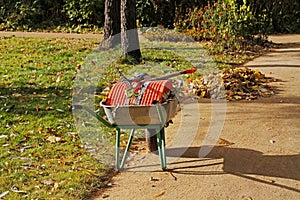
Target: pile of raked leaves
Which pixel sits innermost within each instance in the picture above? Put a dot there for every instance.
(233, 84)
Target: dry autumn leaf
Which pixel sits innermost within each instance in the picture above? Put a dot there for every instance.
(232, 84)
(159, 194)
(54, 139)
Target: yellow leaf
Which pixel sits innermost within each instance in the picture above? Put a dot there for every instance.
(258, 75)
(40, 129)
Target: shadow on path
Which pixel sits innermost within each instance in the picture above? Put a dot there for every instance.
(241, 162)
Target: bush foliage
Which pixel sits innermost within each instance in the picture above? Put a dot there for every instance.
(49, 14)
(272, 16)
(277, 16)
(227, 24)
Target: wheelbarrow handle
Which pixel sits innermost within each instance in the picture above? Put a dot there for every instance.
(82, 107)
(77, 107)
(188, 71)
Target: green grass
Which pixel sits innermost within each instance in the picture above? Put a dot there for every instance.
(35, 98)
(35, 106)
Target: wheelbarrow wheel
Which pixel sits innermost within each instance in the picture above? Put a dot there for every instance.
(151, 139)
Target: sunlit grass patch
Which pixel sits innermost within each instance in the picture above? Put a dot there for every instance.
(41, 154)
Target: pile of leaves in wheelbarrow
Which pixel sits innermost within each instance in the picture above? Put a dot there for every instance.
(233, 84)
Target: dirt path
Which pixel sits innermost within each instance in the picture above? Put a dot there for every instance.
(262, 163)
(49, 35)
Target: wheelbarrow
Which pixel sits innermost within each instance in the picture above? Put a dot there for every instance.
(140, 103)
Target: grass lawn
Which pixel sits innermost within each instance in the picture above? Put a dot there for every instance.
(41, 154)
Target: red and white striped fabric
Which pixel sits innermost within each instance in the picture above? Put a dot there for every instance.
(154, 92)
(117, 94)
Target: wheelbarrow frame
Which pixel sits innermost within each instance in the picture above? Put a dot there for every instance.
(160, 134)
(159, 124)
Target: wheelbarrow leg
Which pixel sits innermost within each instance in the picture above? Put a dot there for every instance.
(127, 148)
(118, 165)
(161, 138)
(118, 132)
(161, 148)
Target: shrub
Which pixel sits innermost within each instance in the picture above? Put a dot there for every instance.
(84, 12)
(225, 23)
(156, 12)
(28, 14)
(145, 13)
(277, 16)
(47, 14)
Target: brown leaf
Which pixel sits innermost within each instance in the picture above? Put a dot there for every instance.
(16, 94)
(237, 97)
(48, 182)
(53, 139)
(55, 186)
(31, 82)
(159, 194)
(105, 195)
(222, 142)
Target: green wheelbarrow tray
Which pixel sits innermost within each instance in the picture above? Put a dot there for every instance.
(137, 117)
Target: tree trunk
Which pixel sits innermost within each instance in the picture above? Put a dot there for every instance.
(129, 36)
(112, 24)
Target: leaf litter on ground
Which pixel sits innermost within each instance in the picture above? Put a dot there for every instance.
(233, 84)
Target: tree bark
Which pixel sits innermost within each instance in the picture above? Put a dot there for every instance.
(129, 36)
(112, 24)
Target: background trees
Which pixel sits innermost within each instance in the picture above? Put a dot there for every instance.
(120, 28)
(112, 23)
(50, 14)
(129, 36)
(272, 16)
